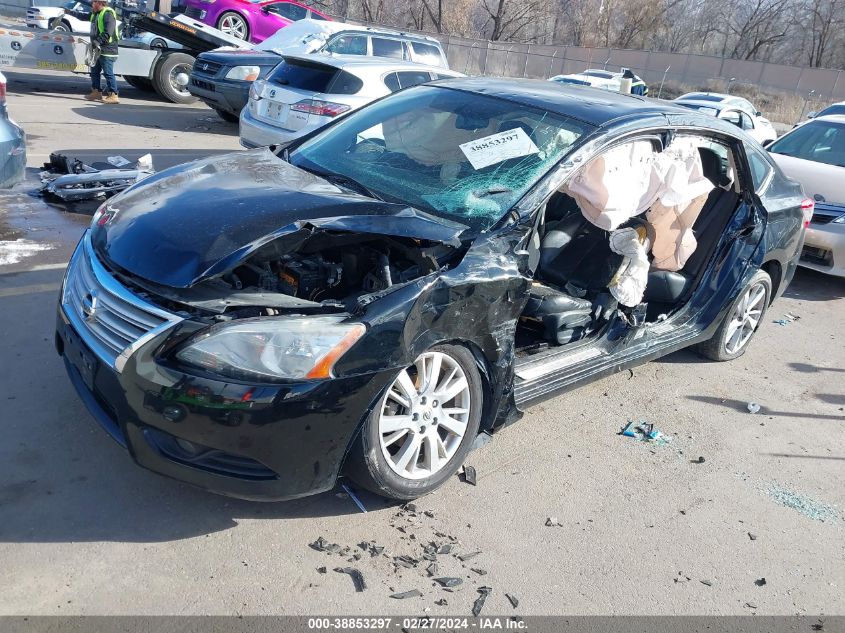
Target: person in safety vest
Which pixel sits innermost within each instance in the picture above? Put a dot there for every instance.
(638, 86)
(104, 37)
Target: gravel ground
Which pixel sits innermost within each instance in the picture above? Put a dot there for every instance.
(644, 528)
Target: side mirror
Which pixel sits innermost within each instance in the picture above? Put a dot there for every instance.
(812, 115)
(758, 113)
(265, 9)
(767, 142)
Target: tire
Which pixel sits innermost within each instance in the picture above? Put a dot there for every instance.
(169, 73)
(226, 116)
(140, 83)
(393, 430)
(62, 26)
(234, 24)
(158, 42)
(741, 321)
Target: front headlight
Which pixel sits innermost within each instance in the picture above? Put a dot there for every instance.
(243, 73)
(273, 348)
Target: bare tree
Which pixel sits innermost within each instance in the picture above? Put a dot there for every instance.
(511, 19)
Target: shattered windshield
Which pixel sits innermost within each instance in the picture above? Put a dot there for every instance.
(459, 155)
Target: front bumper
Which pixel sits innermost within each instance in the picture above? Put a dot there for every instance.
(824, 248)
(38, 23)
(261, 442)
(229, 96)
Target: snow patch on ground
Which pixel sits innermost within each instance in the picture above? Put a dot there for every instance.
(13, 251)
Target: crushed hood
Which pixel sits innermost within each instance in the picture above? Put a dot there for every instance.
(198, 220)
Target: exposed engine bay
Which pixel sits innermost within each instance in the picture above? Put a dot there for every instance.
(340, 266)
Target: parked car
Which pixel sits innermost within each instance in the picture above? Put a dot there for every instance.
(595, 77)
(72, 17)
(834, 108)
(757, 127)
(393, 288)
(12, 144)
(304, 93)
(222, 78)
(250, 20)
(724, 99)
(814, 155)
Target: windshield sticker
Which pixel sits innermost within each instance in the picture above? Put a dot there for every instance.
(496, 148)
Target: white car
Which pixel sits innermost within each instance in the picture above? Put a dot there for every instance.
(833, 108)
(755, 125)
(65, 18)
(304, 92)
(814, 155)
(595, 77)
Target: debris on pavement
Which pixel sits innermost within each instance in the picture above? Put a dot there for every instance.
(356, 575)
(413, 593)
(479, 571)
(406, 561)
(322, 545)
(468, 555)
(117, 161)
(753, 408)
(470, 475)
(751, 536)
(321, 570)
(512, 599)
(431, 569)
(449, 581)
(553, 522)
(700, 460)
(805, 505)
(750, 606)
(706, 582)
(441, 602)
(760, 582)
(354, 498)
(71, 180)
(787, 319)
(479, 602)
(644, 432)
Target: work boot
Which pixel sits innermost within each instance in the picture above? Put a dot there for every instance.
(110, 98)
(94, 95)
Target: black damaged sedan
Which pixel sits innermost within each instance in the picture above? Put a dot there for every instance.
(377, 298)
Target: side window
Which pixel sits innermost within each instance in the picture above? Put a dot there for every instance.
(760, 168)
(392, 82)
(439, 76)
(408, 78)
(348, 45)
(732, 116)
(383, 47)
(315, 16)
(345, 83)
(426, 54)
(287, 10)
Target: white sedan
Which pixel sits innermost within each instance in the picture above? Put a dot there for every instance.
(595, 77)
(755, 125)
(814, 155)
(64, 18)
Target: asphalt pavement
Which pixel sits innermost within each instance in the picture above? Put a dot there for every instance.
(638, 528)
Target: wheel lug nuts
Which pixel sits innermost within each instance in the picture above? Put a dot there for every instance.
(415, 417)
(422, 400)
(434, 404)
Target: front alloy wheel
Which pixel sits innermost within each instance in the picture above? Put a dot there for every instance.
(424, 419)
(233, 24)
(423, 426)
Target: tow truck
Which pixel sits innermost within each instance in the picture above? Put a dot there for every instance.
(147, 68)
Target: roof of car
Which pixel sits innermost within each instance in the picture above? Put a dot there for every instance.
(588, 104)
(713, 105)
(833, 118)
(362, 61)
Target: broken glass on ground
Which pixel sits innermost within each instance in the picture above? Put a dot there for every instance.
(413, 593)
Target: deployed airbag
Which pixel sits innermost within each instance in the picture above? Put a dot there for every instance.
(628, 285)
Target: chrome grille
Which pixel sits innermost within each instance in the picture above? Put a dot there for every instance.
(204, 67)
(111, 320)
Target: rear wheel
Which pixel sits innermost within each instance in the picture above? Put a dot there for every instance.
(226, 116)
(234, 24)
(741, 322)
(141, 83)
(423, 426)
(171, 77)
(61, 25)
